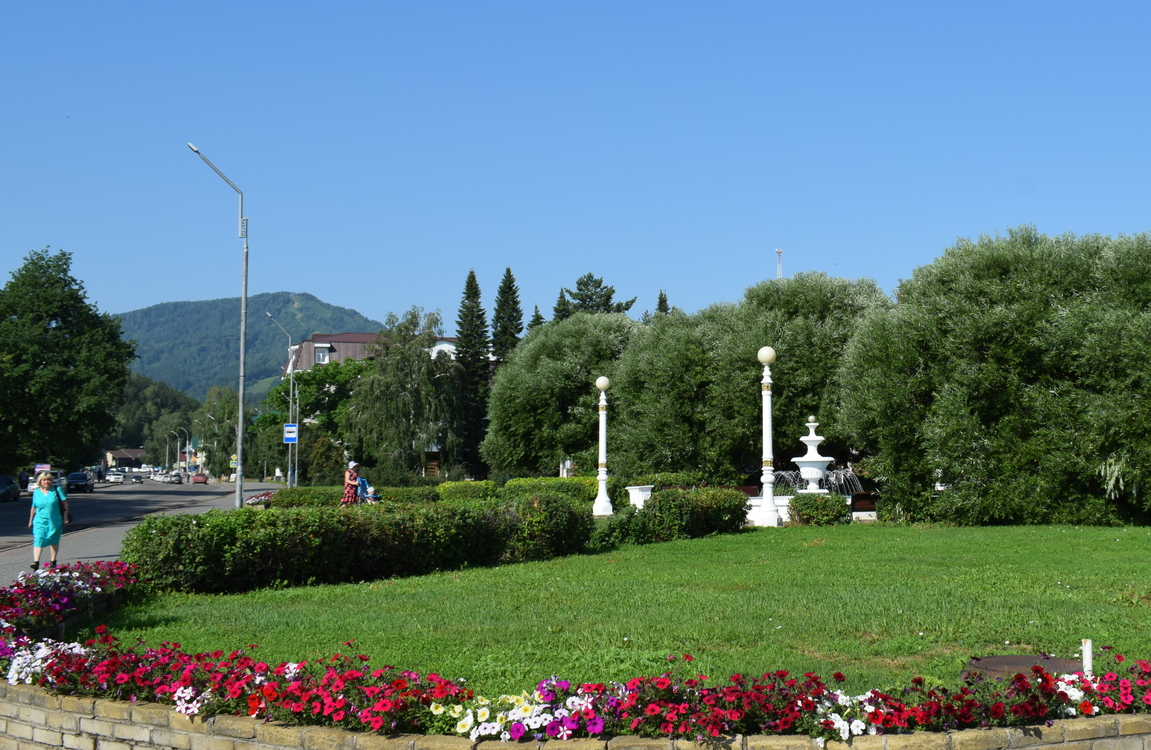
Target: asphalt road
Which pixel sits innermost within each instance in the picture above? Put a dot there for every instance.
(101, 518)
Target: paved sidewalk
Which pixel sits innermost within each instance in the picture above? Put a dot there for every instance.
(102, 542)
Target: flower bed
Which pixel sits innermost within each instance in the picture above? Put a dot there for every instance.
(41, 599)
(344, 691)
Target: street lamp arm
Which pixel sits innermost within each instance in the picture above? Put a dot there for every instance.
(223, 176)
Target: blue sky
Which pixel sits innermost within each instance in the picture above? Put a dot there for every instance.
(386, 148)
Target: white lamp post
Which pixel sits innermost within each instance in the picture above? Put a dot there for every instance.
(765, 513)
(243, 330)
(602, 505)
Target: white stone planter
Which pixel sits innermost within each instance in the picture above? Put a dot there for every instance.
(638, 494)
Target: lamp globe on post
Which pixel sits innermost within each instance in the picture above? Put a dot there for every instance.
(766, 514)
(602, 505)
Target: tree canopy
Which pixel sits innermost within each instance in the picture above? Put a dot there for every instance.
(64, 366)
(1010, 384)
(403, 406)
(590, 296)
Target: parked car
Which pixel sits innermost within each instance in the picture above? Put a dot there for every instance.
(57, 479)
(199, 479)
(176, 478)
(9, 489)
(80, 481)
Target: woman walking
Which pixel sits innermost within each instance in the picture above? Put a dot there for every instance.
(49, 508)
(351, 485)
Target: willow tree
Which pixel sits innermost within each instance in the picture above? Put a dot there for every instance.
(1012, 383)
(404, 405)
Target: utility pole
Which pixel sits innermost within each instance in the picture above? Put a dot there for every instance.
(778, 263)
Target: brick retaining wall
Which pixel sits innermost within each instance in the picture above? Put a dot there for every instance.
(34, 719)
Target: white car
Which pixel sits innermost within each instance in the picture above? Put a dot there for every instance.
(115, 477)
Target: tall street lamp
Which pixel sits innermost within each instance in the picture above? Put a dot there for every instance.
(173, 432)
(243, 330)
(187, 448)
(291, 399)
(602, 504)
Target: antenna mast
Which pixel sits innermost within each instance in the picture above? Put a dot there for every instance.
(778, 263)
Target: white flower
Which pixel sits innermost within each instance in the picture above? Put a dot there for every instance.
(483, 713)
(464, 724)
(457, 711)
(857, 727)
(436, 709)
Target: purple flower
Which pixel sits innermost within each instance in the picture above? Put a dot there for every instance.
(570, 722)
(516, 731)
(563, 685)
(595, 725)
(551, 730)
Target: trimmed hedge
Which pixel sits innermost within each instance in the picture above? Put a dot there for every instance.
(468, 491)
(671, 479)
(239, 550)
(329, 497)
(819, 510)
(676, 514)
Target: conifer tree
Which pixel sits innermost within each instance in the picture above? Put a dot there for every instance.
(563, 307)
(536, 321)
(473, 349)
(661, 305)
(507, 319)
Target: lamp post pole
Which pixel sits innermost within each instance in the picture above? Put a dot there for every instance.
(187, 448)
(173, 432)
(771, 513)
(167, 444)
(243, 330)
(602, 504)
(291, 400)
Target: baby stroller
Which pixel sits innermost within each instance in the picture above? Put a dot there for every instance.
(365, 493)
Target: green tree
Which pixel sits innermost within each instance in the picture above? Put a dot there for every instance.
(563, 308)
(590, 295)
(507, 319)
(403, 406)
(1011, 383)
(687, 386)
(145, 401)
(474, 366)
(543, 406)
(536, 321)
(66, 366)
(661, 305)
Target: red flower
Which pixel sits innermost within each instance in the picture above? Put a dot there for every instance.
(838, 677)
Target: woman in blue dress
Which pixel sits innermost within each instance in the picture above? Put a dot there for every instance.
(46, 520)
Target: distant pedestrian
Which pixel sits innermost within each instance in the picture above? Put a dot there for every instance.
(47, 518)
(351, 485)
(23, 479)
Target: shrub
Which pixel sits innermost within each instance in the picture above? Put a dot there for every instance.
(547, 525)
(467, 491)
(579, 488)
(239, 550)
(676, 514)
(295, 497)
(819, 510)
(670, 479)
(329, 497)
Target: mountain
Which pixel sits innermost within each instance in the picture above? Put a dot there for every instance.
(193, 346)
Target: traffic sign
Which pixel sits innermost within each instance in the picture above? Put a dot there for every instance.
(232, 464)
(234, 457)
(291, 432)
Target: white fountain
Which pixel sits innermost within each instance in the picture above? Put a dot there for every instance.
(812, 466)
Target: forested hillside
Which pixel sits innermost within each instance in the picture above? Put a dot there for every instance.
(193, 346)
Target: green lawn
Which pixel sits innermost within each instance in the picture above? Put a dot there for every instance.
(878, 603)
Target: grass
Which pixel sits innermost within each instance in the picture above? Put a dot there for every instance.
(879, 603)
